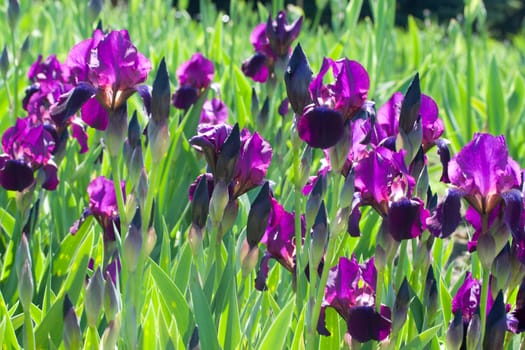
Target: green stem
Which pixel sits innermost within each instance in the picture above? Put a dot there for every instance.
(29, 338)
(15, 92)
(379, 288)
(484, 298)
(152, 190)
(301, 255)
(113, 160)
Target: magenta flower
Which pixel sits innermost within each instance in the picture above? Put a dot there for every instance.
(49, 82)
(322, 123)
(279, 238)
(106, 70)
(350, 290)
(103, 206)
(271, 41)
(214, 111)
(383, 182)
(194, 78)
(27, 148)
(487, 177)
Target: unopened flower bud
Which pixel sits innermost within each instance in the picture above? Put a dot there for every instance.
(218, 202)
(195, 239)
(112, 304)
(410, 106)
(228, 156)
(159, 140)
(133, 242)
(24, 49)
(161, 94)
(496, 325)
(339, 152)
(455, 332)
(71, 333)
(340, 223)
(474, 332)
(401, 307)
(13, 13)
(249, 257)
(500, 270)
(431, 294)
(486, 250)
(258, 216)
(94, 8)
(410, 142)
(297, 78)
(94, 298)
(229, 217)
(111, 334)
(25, 285)
(387, 243)
(23, 254)
(281, 34)
(151, 239)
(319, 236)
(4, 62)
(255, 103)
(116, 130)
(313, 202)
(264, 113)
(347, 193)
(306, 163)
(200, 203)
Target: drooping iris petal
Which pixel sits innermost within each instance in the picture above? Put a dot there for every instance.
(214, 111)
(94, 115)
(353, 222)
(69, 103)
(255, 67)
(432, 126)
(447, 216)
(406, 218)
(50, 177)
(254, 160)
(365, 324)
(184, 97)
(102, 198)
(483, 167)
(320, 127)
(80, 135)
(15, 175)
(197, 72)
(516, 321)
(444, 157)
(512, 212)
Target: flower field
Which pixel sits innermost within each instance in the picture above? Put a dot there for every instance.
(258, 179)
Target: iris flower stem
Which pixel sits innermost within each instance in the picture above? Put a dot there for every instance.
(379, 288)
(29, 339)
(330, 253)
(153, 175)
(15, 92)
(300, 254)
(113, 161)
(484, 299)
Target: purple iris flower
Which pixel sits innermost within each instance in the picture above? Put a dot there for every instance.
(103, 206)
(194, 78)
(383, 182)
(487, 177)
(279, 238)
(271, 41)
(214, 111)
(106, 70)
(388, 119)
(27, 147)
(254, 158)
(49, 82)
(322, 123)
(350, 290)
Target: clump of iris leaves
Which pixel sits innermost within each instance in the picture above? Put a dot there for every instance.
(158, 173)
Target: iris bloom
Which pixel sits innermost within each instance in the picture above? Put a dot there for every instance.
(194, 78)
(383, 182)
(388, 119)
(279, 238)
(322, 123)
(214, 111)
(350, 290)
(271, 41)
(486, 176)
(106, 70)
(27, 147)
(103, 206)
(49, 82)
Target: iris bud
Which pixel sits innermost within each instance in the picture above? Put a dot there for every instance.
(160, 95)
(111, 299)
(23, 254)
(133, 242)
(116, 130)
(255, 103)
(249, 257)
(474, 332)
(319, 236)
(401, 307)
(297, 78)
(228, 156)
(94, 298)
(455, 332)
(347, 193)
(264, 113)
(110, 337)
(94, 8)
(195, 239)
(431, 294)
(500, 270)
(228, 219)
(258, 216)
(71, 333)
(200, 203)
(496, 325)
(314, 200)
(4, 62)
(218, 202)
(25, 285)
(13, 13)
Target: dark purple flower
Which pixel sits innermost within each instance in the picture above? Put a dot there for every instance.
(487, 177)
(279, 238)
(103, 206)
(27, 147)
(350, 290)
(260, 42)
(284, 107)
(106, 67)
(322, 123)
(280, 34)
(516, 319)
(467, 298)
(194, 76)
(256, 67)
(214, 111)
